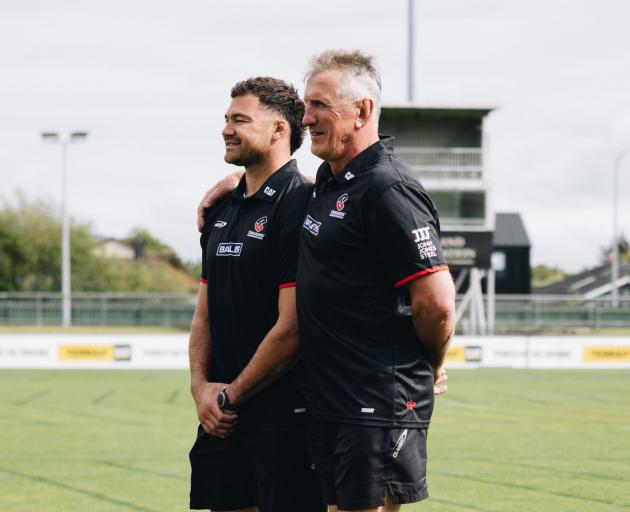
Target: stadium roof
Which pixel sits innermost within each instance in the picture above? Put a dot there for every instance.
(590, 283)
(470, 112)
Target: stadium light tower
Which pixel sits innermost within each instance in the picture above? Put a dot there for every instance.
(411, 71)
(615, 261)
(64, 140)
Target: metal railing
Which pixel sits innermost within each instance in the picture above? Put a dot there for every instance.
(444, 163)
(109, 309)
(513, 313)
(538, 313)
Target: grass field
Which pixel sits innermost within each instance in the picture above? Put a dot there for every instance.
(501, 440)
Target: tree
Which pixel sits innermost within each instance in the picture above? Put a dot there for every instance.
(30, 256)
(542, 275)
(624, 250)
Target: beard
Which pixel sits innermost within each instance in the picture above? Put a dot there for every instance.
(245, 157)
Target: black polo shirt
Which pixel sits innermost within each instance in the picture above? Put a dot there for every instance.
(368, 231)
(249, 250)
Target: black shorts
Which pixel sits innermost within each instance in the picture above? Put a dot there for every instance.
(264, 466)
(356, 464)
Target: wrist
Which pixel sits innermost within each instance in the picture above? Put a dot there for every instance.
(224, 399)
(197, 384)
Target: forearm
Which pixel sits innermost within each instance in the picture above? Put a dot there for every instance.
(276, 354)
(199, 351)
(434, 332)
(433, 314)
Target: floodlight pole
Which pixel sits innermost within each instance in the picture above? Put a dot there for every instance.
(615, 260)
(410, 51)
(63, 141)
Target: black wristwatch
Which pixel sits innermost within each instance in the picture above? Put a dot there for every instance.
(223, 400)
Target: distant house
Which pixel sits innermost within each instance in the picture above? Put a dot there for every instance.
(112, 248)
(592, 283)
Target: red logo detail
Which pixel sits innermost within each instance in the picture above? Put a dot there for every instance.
(260, 224)
(341, 202)
(411, 405)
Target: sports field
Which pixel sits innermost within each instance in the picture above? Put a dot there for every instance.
(501, 440)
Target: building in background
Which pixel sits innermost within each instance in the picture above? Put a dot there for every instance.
(510, 255)
(592, 283)
(445, 149)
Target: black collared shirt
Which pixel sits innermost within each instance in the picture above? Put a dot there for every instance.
(249, 250)
(368, 231)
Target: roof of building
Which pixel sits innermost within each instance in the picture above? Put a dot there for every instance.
(470, 112)
(510, 231)
(590, 283)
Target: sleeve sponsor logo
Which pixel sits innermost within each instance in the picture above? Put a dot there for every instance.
(229, 249)
(421, 234)
(340, 205)
(617, 354)
(312, 225)
(220, 224)
(259, 225)
(422, 238)
(269, 191)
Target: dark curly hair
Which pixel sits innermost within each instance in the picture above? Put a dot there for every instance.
(280, 97)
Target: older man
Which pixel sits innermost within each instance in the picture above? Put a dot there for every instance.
(370, 237)
(369, 243)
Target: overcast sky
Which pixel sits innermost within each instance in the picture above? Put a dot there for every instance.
(150, 81)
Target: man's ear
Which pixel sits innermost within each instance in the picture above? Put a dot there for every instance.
(364, 115)
(280, 129)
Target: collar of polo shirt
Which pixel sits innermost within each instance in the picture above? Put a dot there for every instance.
(268, 190)
(359, 163)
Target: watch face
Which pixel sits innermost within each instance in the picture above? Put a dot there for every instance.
(221, 399)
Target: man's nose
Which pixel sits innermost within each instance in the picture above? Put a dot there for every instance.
(309, 118)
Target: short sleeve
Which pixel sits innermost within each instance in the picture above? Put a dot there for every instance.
(203, 241)
(289, 223)
(407, 233)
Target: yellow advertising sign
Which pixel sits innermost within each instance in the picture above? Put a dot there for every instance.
(617, 354)
(456, 354)
(86, 352)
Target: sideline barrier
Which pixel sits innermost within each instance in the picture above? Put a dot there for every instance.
(96, 351)
(170, 351)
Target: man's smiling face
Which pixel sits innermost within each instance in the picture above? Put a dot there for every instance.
(329, 117)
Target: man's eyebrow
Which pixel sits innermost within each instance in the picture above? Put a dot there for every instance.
(235, 115)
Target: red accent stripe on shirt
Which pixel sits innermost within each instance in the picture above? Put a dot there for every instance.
(419, 274)
(287, 285)
(203, 280)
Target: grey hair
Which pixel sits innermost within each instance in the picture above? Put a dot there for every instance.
(360, 77)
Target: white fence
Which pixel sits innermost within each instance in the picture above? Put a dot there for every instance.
(170, 351)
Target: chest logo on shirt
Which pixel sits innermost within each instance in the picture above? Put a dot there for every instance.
(312, 225)
(259, 225)
(269, 191)
(230, 249)
(422, 238)
(348, 176)
(220, 224)
(340, 205)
